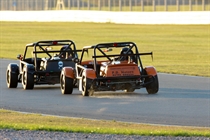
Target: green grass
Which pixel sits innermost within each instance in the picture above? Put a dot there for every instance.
(19, 121)
(181, 49)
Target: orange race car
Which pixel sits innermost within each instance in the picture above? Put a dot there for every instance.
(113, 66)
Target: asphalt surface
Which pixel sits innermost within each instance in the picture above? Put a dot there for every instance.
(181, 100)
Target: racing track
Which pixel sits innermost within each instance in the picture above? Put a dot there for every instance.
(181, 100)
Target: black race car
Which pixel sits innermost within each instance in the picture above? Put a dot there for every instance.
(41, 63)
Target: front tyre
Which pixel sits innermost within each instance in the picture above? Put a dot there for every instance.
(27, 80)
(67, 84)
(12, 79)
(153, 87)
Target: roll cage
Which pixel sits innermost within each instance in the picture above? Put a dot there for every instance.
(99, 47)
(38, 47)
(41, 44)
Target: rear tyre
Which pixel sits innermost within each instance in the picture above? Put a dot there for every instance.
(153, 87)
(67, 84)
(27, 80)
(86, 86)
(12, 79)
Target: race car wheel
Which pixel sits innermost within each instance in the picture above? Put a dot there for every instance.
(86, 86)
(153, 87)
(66, 84)
(12, 79)
(27, 80)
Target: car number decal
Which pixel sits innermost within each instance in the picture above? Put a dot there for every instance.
(60, 65)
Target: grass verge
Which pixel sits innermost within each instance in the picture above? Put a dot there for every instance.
(20, 121)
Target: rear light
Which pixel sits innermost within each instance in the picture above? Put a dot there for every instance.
(47, 74)
(108, 81)
(138, 81)
(115, 44)
(54, 42)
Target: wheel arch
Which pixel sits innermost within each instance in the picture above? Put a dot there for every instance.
(68, 72)
(13, 67)
(29, 68)
(89, 73)
(150, 70)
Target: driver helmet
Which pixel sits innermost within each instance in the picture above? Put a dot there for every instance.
(67, 54)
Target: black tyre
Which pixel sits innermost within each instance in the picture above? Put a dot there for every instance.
(27, 80)
(12, 79)
(86, 86)
(153, 87)
(67, 84)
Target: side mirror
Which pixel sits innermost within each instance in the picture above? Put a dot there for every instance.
(108, 50)
(19, 56)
